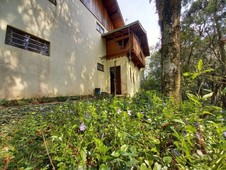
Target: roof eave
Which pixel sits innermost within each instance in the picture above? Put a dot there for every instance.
(113, 4)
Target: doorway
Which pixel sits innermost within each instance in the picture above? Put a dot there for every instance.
(115, 80)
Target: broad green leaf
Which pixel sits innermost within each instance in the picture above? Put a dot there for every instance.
(154, 150)
(193, 98)
(167, 159)
(106, 157)
(207, 113)
(194, 75)
(206, 96)
(178, 121)
(157, 166)
(186, 74)
(155, 140)
(102, 148)
(148, 163)
(207, 71)
(224, 91)
(124, 148)
(115, 153)
(132, 162)
(140, 115)
(200, 64)
(143, 167)
(103, 167)
(83, 154)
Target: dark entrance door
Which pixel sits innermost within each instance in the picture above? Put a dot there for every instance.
(115, 78)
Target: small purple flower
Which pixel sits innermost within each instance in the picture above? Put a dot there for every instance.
(184, 133)
(87, 116)
(224, 134)
(198, 136)
(82, 127)
(102, 136)
(129, 112)
(175, 152)
(196, 124)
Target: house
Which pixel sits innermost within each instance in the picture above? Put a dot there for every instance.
(68, 47)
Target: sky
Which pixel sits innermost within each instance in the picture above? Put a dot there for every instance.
(145, 12)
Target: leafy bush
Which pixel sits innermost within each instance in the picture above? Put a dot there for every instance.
(144, 132)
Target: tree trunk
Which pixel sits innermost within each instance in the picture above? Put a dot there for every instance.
(222, 51)
(169, 21)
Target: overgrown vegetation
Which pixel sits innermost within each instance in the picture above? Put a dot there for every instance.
(202, 37)
(152, 81)
(32, 101)
(145, 132)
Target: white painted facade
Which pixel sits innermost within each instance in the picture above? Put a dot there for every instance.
(75, 49)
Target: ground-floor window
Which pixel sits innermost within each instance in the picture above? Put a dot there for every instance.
(100, 67)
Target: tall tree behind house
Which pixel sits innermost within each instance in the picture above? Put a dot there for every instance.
(169, 20)
(202, 33)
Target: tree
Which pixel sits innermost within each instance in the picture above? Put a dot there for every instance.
(203, 27)
(169, 20)
(151, 79)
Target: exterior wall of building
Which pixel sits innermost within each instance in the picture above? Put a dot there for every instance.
(130, 75)
(100, 12)
(75, 49)
(122, 62)
(133, 78)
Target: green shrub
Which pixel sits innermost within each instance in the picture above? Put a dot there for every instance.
(144, 132)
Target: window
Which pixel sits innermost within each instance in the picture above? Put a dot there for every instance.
(99, 28)
(26, 41)
(53, 1)
(133, 78)
(130, 74)
(86, 2)
(100, 67)
(122, 43)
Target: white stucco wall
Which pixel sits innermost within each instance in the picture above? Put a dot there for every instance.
(75, 49)
(128, 86)
(133, 78)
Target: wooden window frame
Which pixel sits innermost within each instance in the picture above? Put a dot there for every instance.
(99, 28)
(21, 39)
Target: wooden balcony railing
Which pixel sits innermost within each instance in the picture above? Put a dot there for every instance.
(137, 53)
(126, 46)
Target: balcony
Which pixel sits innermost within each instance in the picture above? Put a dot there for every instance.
(126, 45)
(130, 41)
